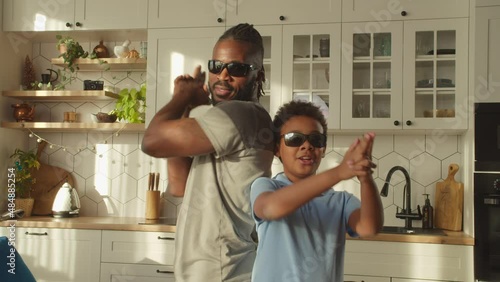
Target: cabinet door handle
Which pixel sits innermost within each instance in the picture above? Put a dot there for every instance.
(164, 271)
(219, 20)
(404, 13)
(36, 233)
(408, 122)
(165, 238)
(396, 122)
(78, 24)
(282, 18)
(69, 25)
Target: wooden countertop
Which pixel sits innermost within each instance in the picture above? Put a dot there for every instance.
(451, 238)
(168, 225)
(96, 223)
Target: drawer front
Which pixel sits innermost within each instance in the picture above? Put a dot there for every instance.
(138, 247)
(115, 272)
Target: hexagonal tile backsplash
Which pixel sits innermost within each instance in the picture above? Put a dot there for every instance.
(112, 180)
(111, 171)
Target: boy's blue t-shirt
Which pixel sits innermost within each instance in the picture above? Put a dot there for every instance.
(307, 245)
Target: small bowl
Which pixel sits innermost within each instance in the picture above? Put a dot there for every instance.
(104, 117)
(121, 51)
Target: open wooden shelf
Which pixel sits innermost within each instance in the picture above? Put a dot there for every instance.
(47, 95)
(130, 64)
(75, 126)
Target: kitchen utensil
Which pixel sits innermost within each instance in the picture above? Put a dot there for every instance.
(122, 51)
(153, 197)
(152, 204)
(448, 209)
(47, 77)
(157, 182)
(66, 203)
(48, 180)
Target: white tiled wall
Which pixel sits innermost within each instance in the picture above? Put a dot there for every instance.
(111, 171)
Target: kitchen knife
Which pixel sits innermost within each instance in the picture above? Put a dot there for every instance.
(157, 181)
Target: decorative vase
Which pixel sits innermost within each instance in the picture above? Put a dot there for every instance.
(25, 204)
(101, 51)
(23, 112)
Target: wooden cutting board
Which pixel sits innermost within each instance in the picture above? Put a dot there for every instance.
(448, 208)
(48, 181)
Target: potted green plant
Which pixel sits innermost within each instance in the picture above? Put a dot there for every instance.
(131, 105)
(70, 50)
(24, 164)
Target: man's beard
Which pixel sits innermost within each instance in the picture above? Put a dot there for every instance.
(244, 94)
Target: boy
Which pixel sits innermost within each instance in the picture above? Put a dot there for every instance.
(301, 221)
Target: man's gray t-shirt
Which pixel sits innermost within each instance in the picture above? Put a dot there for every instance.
(214, 227)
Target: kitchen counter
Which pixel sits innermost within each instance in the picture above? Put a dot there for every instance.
(451, 238)
(168, 225)
(96, 223)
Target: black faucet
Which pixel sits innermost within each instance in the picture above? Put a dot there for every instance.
(405, 213)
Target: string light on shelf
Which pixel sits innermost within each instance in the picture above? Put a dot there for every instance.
(92, 147)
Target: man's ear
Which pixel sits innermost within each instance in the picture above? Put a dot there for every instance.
(261, 75)
(277, 151)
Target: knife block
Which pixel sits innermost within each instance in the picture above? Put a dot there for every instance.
(152, 204)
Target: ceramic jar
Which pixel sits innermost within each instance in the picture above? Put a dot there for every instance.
(23, 112)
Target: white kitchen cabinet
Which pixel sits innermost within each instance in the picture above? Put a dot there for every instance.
(417, 280)
(186, 13)
(117, 272)
(40, 15)
(309, 73)
(173, 52)
(382, 10)
(359, 278)
(486, 58)
(428, 262)
(262, 12)
(137, 256)
(111, 14)
(62, 255)
(393, 78)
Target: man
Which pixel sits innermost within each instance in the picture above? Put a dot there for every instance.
(232, 145)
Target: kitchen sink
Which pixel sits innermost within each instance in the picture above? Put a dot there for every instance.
(413, 231)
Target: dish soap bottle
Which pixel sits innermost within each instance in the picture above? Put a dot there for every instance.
(428, 214)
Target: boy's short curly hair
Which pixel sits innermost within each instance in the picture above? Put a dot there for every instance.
(297, 108)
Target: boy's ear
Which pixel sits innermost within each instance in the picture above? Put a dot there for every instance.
(277, 151)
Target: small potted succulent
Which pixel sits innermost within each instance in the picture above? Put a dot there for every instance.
(24, 164)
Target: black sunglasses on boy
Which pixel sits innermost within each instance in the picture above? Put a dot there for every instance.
(296, 139)
(234, 68)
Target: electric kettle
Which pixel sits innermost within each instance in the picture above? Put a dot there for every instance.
(66, 202)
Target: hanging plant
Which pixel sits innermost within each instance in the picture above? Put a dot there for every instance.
(70, 51)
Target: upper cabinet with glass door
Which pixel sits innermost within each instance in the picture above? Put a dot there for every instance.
(436, 74)
(372, 75)
(311, 67)
(271, 37)
(421, 84)
(382, 10)
(283, 11)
